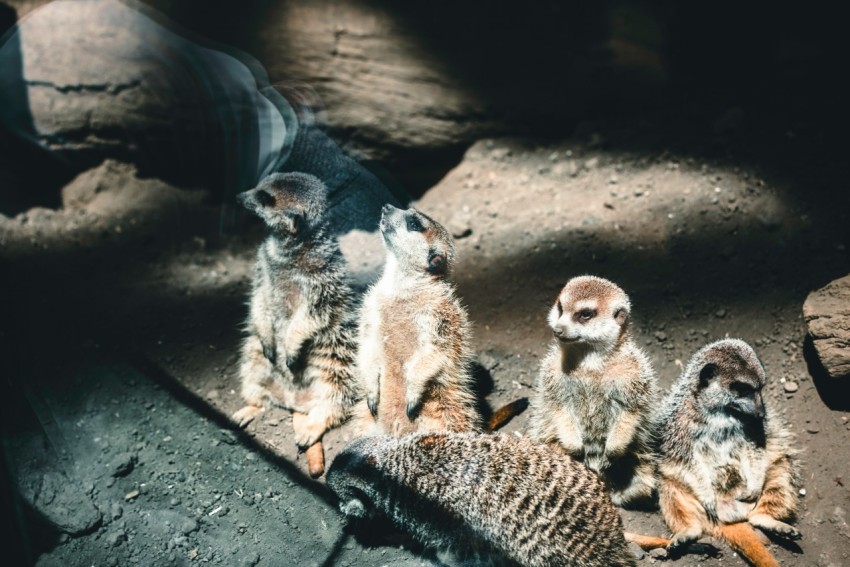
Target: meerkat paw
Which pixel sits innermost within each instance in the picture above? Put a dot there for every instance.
(269, 351)
(682, 539)
(308, 429)
(412, 408)
(597, 462)
(773, 526)
(247, 414)
(372, 403)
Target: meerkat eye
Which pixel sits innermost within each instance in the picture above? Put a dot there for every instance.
(586, 315)
(742, 389)
(414, 224)
(264, 198)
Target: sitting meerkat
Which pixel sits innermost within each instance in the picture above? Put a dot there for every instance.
(596, 388)
(497, 497)
(726, 464)
(414, 358)
(300, 348)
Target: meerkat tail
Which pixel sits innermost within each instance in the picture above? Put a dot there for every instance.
(646, 542)
(315, 454)
(744, 539)
(507, 412)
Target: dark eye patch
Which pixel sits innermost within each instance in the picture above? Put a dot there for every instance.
(414, 224)
(560, 307)
(585, 315)
(265, 198)
(742, 389)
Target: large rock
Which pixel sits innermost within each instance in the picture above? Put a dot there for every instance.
(827, 315)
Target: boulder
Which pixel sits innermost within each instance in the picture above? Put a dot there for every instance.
(827, 315)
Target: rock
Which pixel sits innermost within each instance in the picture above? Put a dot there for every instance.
(790, 387)
(658, 553)
(122, 464)
(637, 551)
(115, 538)
(827, 315)
(65, 505)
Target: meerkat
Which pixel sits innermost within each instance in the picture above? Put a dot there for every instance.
(300, 349)
(726, 464)
(493, 496)
(595, 389)
(414, 358)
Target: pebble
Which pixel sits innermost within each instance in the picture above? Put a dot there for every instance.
(720, 313)
(661, 336)
(131, 495)
(115, 539)
(123, 464)
(658, 553)
(637, 551)
(812, 428)
(790, 387)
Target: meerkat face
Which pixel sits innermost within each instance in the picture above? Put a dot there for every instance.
(289, 203)
(591, 311)
(729, 379)
(418, 243)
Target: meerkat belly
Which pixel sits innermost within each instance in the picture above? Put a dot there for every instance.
(729, 471)
(594, 408)
(399, 341)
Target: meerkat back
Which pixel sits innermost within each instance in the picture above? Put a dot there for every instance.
(414, 356)
(477, 493)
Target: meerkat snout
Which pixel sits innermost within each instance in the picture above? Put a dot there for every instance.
(738, 393)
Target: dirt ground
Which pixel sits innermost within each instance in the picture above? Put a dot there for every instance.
(123, 332)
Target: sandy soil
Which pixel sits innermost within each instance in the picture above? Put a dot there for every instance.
(124, 331)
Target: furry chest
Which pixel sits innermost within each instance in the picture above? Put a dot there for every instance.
(731, 468)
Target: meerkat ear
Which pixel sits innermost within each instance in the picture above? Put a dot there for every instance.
(621, 315)
(708, 372)
(437, 264)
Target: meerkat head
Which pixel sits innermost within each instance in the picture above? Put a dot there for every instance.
(418, 243)
(727, 377)
(290, 204)
(354, 476)
(591, 311)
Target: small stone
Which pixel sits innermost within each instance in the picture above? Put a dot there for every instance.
(661, 336)
(790, 387)
(122, 464)
(812, 428)
(802, 492)
(637, 551)
(658, 553)
(720, 313)
(133, 494)
(114, 539)
(212, 395)
(115, 511)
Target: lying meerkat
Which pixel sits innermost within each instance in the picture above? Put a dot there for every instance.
(496, 496)
(300, 348)
(726, 464)
(414, 357)
(596, 388)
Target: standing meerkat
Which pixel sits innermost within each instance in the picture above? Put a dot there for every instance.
(414, 357)
(300, 348)
(498, 496)
(726, 464)
(596, 387)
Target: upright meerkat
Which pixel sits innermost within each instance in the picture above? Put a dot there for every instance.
(498, 496)
(414, 358)
(300, 348)
(726, 464)
(596, 387)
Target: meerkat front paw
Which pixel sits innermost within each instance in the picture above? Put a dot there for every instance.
(774, 526)
(308, 429)
(269, 351)
(246, 415)
(412, 408)
(597, 461)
